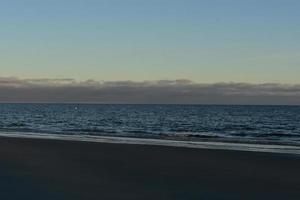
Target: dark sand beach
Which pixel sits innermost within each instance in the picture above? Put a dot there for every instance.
(53, 169)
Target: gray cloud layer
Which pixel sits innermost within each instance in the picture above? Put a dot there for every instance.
(162, 91)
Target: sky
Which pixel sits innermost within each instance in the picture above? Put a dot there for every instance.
(204, 41)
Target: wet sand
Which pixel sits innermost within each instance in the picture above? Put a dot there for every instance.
(56, 169)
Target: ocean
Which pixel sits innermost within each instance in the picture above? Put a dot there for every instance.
(249, 124)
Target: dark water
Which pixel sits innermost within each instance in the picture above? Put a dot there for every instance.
(280, 124)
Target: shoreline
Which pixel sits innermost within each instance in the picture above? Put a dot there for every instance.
(63, 169)
(233, 146)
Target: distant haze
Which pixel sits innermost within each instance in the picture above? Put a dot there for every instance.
(159, 92)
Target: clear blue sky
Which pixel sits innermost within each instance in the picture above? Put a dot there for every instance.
(205, 41)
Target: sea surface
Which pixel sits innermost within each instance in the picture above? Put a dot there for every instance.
(254, 124)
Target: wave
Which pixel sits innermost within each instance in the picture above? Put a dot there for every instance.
(191, 135)
(88, 130)
(287, 149)
(15, 124)
(279, 135)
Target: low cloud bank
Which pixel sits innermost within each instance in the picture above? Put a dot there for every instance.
(163, 91)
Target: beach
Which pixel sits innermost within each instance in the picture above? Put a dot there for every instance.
(59, 169)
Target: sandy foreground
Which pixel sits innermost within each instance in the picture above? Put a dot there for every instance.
(57, 169)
